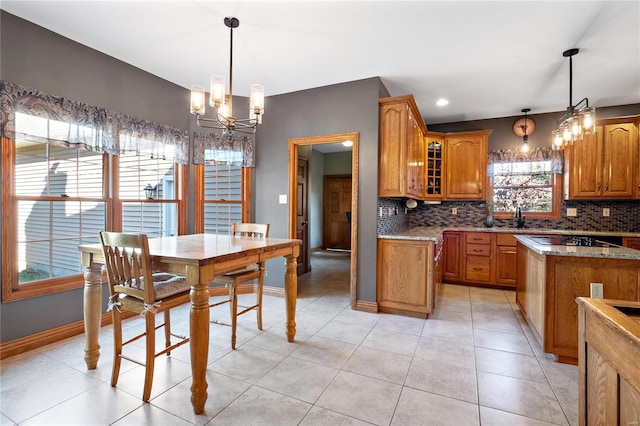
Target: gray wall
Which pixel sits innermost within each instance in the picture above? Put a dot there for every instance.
(37, 58)
(340, 108)
(40, 59)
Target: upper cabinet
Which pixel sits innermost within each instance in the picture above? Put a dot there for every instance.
(423, 165)
(401, 148)
(434, 166)
(605, 164)
(466, 165)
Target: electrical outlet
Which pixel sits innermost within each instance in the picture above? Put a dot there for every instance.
(454, 210)
(572, 212)
(596, 291)
(606, 212)
(282, 198)
(390, 211)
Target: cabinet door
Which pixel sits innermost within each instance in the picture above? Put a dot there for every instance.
(585, 179)
(403, 276)
(434, 166)
(451, 256)
(393, 144)
(415, 160)
(466, 165)
(620, 142)
(506, 261)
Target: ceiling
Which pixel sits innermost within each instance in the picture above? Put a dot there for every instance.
(488, 58)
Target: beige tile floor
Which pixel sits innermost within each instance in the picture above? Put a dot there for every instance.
(473, 362)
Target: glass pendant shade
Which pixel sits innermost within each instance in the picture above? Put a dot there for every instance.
(197, 99)
(216, 93)
(588, 119)
(256, 106)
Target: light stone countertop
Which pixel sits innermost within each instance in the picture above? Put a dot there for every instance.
(431, 233)
(612, 252)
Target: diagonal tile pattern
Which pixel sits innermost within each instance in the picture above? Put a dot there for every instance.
(473, 362)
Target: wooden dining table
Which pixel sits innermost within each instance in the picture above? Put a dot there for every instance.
(199, 257)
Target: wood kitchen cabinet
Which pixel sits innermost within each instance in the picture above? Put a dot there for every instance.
(604, 164)
(631, 242)
(506, 255)
(451, 256)
(466, 165)
(406, 274)
(401, 155)
(434, 166)
(548, 286)
(608, 373)
(480, 258)
(477, 257)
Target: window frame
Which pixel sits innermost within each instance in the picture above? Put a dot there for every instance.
(11, 289)
(556, 201)
(200, 202)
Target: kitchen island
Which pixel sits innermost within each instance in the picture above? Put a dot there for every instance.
(551, 275)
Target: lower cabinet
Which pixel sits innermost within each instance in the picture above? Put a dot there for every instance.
(608, 373)
(406, 274)
(631, 242)
(480, 258)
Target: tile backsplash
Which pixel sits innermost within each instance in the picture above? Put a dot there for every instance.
(624, 216)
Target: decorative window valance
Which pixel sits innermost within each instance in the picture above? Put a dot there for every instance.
(214, 148)
(534, 155)
(29, 113)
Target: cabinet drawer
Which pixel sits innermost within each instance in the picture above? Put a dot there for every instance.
(478, 238)
(506, 240)
(478, 249)
(477, 269)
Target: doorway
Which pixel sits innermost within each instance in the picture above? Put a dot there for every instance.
(294, 143)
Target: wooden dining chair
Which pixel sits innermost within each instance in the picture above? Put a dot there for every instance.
(128, 267)
(233, 279)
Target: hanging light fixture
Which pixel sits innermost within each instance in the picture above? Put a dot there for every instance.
(222, 103)
(523, 128)
(579, 120)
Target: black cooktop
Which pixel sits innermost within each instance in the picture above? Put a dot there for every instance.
(572, 240)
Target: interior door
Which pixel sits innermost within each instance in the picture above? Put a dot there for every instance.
(336, 223)
(302, 218)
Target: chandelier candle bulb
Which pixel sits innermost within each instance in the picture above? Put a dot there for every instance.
(216, 95)
(197, 100)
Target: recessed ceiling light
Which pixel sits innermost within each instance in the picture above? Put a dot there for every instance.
(442, 102)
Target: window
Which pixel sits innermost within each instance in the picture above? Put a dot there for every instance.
(223, 175)
(58, 197)
(70, 170)
(530, 182)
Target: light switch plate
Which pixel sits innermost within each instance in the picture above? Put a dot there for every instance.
(572, 212)
(606, 212)
(283, 198)
(454, 210)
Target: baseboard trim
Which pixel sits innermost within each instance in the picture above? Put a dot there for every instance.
(365, 306)
(37, 340)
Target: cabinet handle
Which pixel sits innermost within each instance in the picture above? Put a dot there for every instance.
(477, 251)
(478, 269)
(599, 186)
(477, 239)
(606, 186)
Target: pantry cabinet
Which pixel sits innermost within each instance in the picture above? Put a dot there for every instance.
(406, 274)
(604, 164)
(466, 165)
(400, 148)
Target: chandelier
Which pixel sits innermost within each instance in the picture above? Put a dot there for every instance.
(579, 119)
(222, 103)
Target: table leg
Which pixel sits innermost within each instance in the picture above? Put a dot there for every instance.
(291, 294)
(199, 335)
(92, 313)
